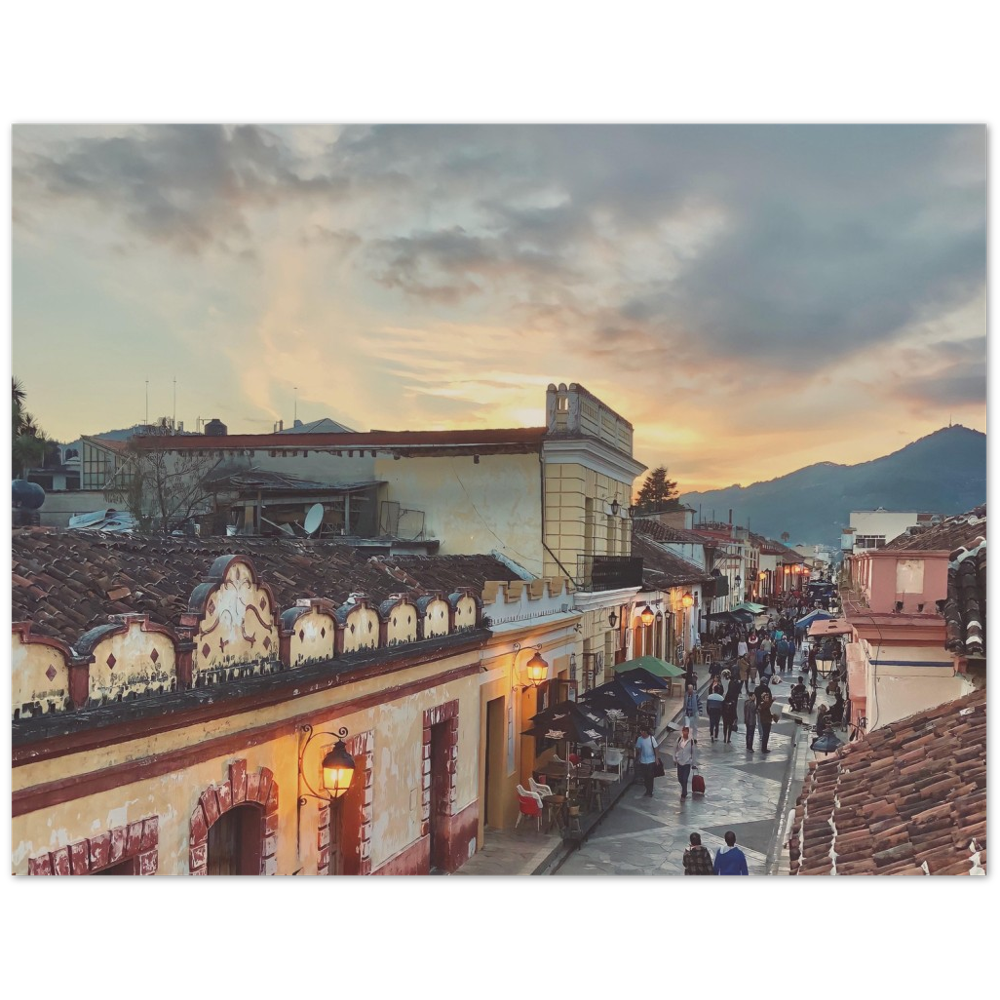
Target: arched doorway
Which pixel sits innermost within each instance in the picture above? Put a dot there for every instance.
(235, 840)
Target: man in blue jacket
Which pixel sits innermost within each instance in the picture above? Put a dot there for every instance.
(730, 860)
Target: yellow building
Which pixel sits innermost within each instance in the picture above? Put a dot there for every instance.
(173, 702)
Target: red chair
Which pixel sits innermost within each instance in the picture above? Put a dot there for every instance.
(529, 804)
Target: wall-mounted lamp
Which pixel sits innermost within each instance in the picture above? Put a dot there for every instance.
(659, 617)
(612, 619)
(762, 575)
(336, 769)
(647, 616)
(537, 668)
(687, 600)
(739, 581)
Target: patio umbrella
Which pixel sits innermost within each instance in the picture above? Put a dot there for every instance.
(567, 724)
(813, 616)
(651, 664)
(617, 693)
(643, 678)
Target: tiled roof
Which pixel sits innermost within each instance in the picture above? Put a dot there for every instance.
(965, 607)
(663, 569)
(667, 533)
(907, 799)
(947, 535)
(67, 582)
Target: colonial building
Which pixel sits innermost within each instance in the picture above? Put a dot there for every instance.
(174, 699)
(916, 608)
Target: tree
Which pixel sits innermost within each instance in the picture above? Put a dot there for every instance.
(658, 492)
(160, 489)
(28, 442)
(785, 536)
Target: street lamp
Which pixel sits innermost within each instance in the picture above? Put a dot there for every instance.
(687, 600)
(612, 619)
(647, 616)
(537, 667)
(336, 769)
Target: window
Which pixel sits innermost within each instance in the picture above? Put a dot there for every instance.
(869, 541)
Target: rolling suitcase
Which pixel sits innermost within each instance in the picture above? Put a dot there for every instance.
(697, 785)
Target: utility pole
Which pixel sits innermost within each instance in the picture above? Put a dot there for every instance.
(295, 406)
(147, 402)
(175, 402)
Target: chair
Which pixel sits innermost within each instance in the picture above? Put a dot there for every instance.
(539, 789)
(529, 804)
(614, 758)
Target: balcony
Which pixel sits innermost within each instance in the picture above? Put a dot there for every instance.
(596, 573)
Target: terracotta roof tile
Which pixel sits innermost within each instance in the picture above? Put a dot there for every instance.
(910, 794)
(103, 575)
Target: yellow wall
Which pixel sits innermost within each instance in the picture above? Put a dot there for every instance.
(397, 774)
(313, 638)
(135, 668)
(473, 508)
(568, 488)
(30, 664)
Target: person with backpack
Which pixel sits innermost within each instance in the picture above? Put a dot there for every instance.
(764, 700)
(697, 859)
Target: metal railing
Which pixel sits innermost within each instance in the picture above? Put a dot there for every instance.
(596, 573)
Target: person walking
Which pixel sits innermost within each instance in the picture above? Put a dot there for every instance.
(728, 718)
(764, 700)
(743, 672)
(645, 758)
(716, 698)
(742, 649)
(684, 758)
(782, 655)
(767, 649)
(750, 719)
(730, 860)
(692, 710)
(697, 859)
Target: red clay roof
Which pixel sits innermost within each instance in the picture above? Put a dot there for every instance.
(660, 532)
(908, 795)
(66, 582)
(347, 442)
(663, 569)
(949, 534)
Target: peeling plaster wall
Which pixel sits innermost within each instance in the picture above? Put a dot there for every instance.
(361, 629)
(313, 638)
(31, 665)
(473, 508)
(402, 624)
(238, 627)
(133, 662)
(436, 619)
(397, 729)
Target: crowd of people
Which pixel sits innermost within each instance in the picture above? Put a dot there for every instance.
(754, 658)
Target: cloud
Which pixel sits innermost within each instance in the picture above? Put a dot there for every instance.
(715, 284)
(187, 186)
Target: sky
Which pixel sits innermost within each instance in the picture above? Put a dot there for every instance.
(752, 298)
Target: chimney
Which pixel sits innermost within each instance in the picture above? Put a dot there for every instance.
(730, 515)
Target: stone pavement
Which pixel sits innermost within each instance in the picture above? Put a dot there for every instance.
(745, 793)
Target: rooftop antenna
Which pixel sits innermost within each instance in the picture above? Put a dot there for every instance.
(147, 401)
(295, 409)
(175, 401)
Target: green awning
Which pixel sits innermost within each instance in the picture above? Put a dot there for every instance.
(656, 666)
(757, 609)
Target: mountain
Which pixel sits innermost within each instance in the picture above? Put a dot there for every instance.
(944, 473)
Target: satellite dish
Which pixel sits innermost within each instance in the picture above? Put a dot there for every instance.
(314, 518)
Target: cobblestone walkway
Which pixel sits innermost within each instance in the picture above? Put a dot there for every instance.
(644, 836)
